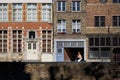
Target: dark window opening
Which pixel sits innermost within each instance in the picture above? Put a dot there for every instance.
(70, 54)
(91, 41)
(31, 34)
(102, 41)
(99, 21)
(114, 41)
(96, 41)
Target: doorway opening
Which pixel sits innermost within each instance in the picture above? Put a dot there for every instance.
(71, 53)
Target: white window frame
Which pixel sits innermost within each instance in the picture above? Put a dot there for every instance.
(17, 8)
(61, 26)
(46, 16)
(3, 8)
(31, 7)
(16, 41)
(2, 39)
(61, 6)
(76, 26)
(76, 7)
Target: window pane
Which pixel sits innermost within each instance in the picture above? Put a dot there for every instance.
(114, 41)
(105, 52)
(96, 20)
(29, 45)
(34, 45)
(94, 52)
(96, 41)
(91, 41)
(102, 41)
(102, 21)
(114, 20)
(107, 41)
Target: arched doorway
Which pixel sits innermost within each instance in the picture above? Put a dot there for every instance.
(116, 54)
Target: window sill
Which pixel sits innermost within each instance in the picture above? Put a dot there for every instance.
(61, 33)
(76, 33)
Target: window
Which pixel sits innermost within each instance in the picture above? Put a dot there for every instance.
(31, 12)
(46, 41)
(31, 34)
(46, 12)
(75, 6)
(76, 26)
(17, 12)
(3, 12)
(3, 41)
(61, 6)
(61, 27)
(17, 40)
(116, 20)
(101, 50)
(116, 1)
(99, 21)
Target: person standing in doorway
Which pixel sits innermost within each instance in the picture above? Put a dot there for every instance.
(79, 57)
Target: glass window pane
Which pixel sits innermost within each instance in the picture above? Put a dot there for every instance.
(105, 52)
(102, 41)
(114, 41)
(94, 53)
(91, 41)
(96, 41)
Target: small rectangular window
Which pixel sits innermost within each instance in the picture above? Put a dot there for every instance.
(76, 6)
(116, 20)
(99, 21)
(61, 6)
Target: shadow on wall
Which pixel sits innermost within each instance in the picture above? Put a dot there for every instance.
(13, 71)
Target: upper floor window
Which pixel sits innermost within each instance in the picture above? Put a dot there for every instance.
(61, 6)
(76, 6)
(17, 12)
(116, 20)
(31, 12)
(99, 21)
(31, 34)
(76, 26)
(116, 1)
(46, 12)
(61, 26)
(3, 12)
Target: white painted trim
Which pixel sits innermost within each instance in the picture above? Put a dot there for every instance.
(26, 1)
(55, 42)
(69, 39)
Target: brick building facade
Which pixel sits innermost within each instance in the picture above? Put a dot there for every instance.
(26, 30)
(69, 25)
(103, 29)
